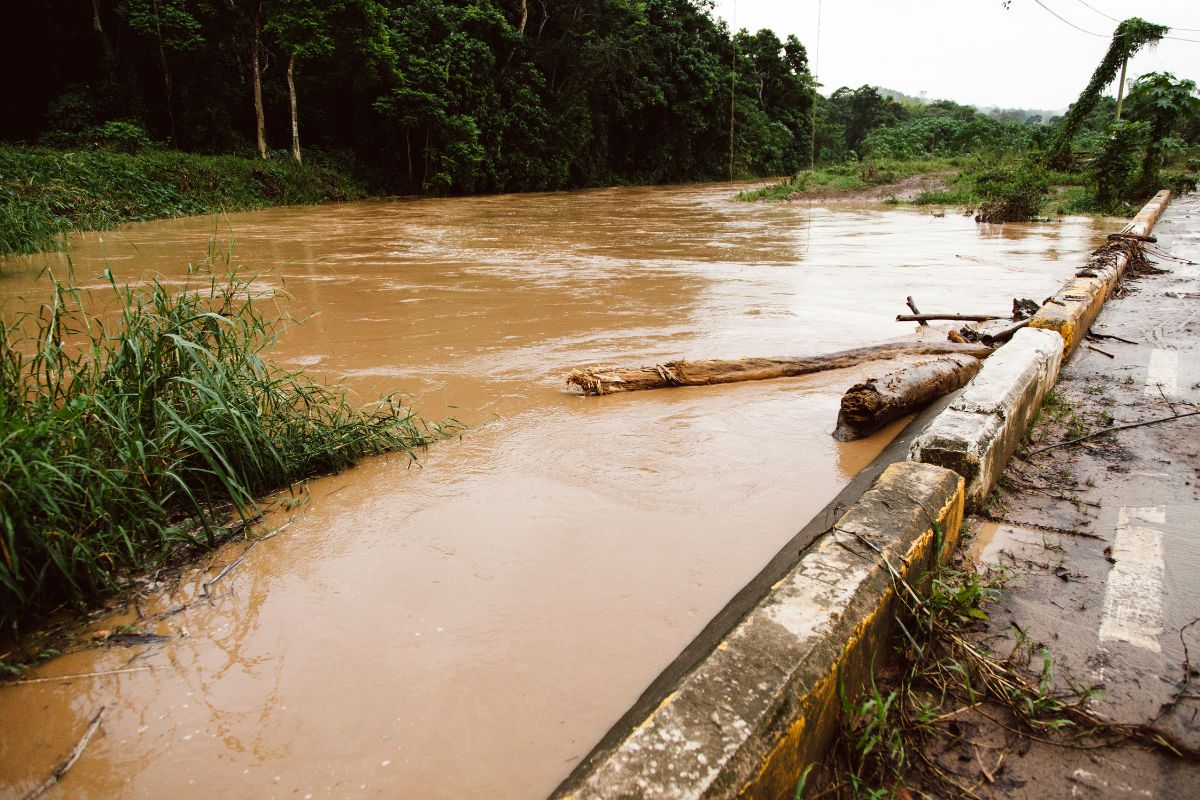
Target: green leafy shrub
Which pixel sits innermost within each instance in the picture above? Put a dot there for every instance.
(1116, 168)
(118, 135)
(1011, 195)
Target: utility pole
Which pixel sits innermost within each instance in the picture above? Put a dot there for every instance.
(732, 95)
(732, 88)
(812, 144)
(1121, 87)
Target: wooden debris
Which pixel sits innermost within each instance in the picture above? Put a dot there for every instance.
(1103, 431)
(1117, 237)
(867, 407)
(57, 678)
(1024, 308)
(607, 379)
(913, 307)
(1093, 334)
(1003, 335)
(58, 772)
(956, 317)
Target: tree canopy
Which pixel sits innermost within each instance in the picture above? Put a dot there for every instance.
(429, 95)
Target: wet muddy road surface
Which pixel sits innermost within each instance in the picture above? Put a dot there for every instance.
(1105, 537)
(470, 627)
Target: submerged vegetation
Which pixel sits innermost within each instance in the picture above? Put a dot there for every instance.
(141, 429)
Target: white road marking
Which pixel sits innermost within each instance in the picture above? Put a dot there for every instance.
(1093, 781)
(1133, 599)
(1164, 372)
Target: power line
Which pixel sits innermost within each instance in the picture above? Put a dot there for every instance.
(1114, 19)
(1101, 35)
(1072, 24)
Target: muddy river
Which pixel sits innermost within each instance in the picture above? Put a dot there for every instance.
(471, 627)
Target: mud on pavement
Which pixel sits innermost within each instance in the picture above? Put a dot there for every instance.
(1098, 549)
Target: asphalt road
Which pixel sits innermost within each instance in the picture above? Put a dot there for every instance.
(1104, 537)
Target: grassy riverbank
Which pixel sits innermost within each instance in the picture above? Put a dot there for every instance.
(46, 193)
(999, 188)
(852, 177)
(128, 437)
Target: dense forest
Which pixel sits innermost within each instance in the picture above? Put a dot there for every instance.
(136, 109)
(428, 96)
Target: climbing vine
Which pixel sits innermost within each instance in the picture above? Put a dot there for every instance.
(1129, 37)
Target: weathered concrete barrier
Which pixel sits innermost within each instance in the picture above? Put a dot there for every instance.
(746, 720)
(977, 434)
(1074, 308)
(765, 704)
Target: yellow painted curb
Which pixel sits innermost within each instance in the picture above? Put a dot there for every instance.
(808, 739)
(764, 703)
(1071, 311)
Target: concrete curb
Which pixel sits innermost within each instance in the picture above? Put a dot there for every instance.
(764, 703)
(746, 720)
(978, 433)
(1074, 308)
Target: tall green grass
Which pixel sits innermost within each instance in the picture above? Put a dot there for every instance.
(46, 193)
(130, 432)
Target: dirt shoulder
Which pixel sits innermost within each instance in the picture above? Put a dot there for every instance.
(907, 190)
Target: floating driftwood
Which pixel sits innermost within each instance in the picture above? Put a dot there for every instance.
(867, 407)
(1003, 335)
(913, 306)
(607, 379)
(954, 317)
(59, 771)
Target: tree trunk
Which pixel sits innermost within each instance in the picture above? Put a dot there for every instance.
(408, 151)
(520, 32)
(162, 58)
(605, 379)
(867, 407)
(425, 172)
(256, 70)
(1121, 87)
(109, 55)
(732, 109)
(292, 96)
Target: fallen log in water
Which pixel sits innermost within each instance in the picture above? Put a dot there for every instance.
(953, 317)
(606, 379)
(867, 407)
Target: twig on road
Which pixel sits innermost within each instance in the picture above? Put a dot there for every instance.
(1103, 431)
(1110, 336)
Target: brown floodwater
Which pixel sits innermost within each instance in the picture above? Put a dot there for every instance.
(471, 627)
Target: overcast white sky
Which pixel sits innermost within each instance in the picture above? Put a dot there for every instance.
(971, 51)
